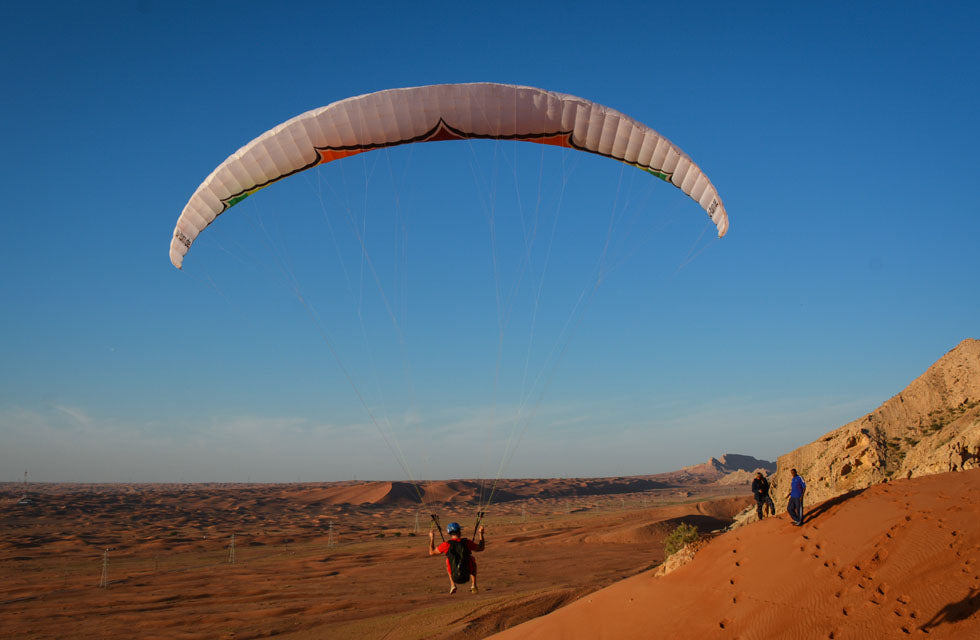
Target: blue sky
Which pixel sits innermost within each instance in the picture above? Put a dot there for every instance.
(842, 139)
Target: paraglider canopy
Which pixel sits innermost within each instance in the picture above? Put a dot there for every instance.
(435, 113)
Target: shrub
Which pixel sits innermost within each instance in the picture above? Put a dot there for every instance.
(682, 535)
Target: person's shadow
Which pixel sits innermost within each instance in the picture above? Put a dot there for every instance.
(833, 502)
(955, 611)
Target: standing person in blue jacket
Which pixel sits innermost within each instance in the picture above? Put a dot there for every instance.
(796, 490)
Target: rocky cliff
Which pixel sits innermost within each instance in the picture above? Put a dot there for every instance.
(932, 426)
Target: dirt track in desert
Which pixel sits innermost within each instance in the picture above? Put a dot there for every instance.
(342, 560)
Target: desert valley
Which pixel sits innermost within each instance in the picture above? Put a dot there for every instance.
(328, 560)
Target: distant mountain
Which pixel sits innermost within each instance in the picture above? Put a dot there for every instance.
(731, 468)
(932, 426)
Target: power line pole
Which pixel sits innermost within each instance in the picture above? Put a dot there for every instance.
(104, 582)
(231, 550)
(23, 498)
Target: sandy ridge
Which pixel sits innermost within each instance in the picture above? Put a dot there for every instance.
(895, 560)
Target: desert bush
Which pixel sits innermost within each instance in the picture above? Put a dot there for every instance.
(682, 535)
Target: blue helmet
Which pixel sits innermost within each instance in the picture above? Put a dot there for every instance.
(453, 528)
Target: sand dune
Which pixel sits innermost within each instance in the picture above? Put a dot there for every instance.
(344, 561)
(335, 561)
(895, 560)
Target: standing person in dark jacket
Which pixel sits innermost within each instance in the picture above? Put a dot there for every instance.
(796, 490)
(760, 490)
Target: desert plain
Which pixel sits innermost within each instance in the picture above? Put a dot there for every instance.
(333, 560)
(564, 559)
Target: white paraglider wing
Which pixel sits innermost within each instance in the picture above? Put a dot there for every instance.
(433, 113)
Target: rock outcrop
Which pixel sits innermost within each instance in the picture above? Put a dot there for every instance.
(933, 426)
(678, 559)
(731, 468)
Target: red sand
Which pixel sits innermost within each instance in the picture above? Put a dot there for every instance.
(169, 575)
(896, 560)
